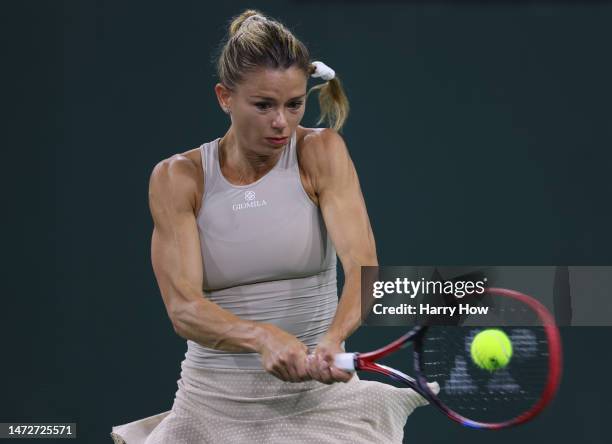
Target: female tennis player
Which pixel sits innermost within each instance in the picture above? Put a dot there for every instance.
(247, 228)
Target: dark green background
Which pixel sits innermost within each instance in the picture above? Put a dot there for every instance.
(480, 130)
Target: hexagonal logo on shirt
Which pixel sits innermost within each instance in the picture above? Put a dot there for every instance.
(249, 202)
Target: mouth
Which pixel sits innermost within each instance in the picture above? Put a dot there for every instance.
(277, 140)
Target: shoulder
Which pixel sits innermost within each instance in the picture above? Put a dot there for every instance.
(177, 178)
(322, 153)
(177, 168)
(321, 150)
(324, 141)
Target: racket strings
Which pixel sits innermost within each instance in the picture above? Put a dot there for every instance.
(481, 394)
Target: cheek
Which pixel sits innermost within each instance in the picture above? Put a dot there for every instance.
(297, 116)
(248, 118)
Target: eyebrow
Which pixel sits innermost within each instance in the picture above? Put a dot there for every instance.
(273, 100)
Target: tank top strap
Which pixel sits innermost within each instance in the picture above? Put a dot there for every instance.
(209, 153)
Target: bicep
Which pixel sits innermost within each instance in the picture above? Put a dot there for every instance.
(343, 208)
(175, 244)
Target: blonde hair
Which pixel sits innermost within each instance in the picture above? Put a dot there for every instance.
(255, 41)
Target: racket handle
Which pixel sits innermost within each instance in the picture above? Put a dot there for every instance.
(345, 361)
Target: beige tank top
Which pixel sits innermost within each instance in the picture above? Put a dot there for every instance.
(266, 255)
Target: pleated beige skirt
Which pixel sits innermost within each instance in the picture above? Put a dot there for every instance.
(252, 406)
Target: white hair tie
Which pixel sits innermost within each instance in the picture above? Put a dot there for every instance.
(323, 71)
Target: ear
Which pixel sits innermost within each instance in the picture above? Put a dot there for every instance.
(224, 96)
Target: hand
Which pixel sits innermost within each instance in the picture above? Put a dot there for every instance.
(321, 363)
(283, 355)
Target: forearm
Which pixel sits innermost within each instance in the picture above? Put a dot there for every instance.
(204, 322)
(348, 313)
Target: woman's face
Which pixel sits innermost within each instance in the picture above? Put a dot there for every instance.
(269, 103)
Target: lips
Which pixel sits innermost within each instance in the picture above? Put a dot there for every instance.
(277, 140)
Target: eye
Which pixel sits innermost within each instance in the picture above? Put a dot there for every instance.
(297, 104)
(262, 105)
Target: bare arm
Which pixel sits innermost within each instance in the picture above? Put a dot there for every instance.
(177, 263)
(343, 207)
(347, 222)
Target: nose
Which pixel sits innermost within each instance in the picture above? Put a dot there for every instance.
(279, 121)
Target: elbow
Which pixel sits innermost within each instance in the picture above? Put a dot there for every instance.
(182, 310)
(371, 261)
(178, 329)
(177, 326)
(178, 318)
(354, 266)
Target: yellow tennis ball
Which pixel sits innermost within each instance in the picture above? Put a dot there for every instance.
(491, 349)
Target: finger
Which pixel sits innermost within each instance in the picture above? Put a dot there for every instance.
(276, 374)
(293, 368)
(313, 367)
(270, 369)
(340, 375)
(282, 371)
(325, 372)
(328, 357)
(302, 365)
(320, 370)
(302, 369)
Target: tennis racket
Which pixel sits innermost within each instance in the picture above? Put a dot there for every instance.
(468, 394)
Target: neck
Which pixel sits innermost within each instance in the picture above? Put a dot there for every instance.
(243, 165)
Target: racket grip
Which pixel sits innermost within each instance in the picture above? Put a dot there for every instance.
(345, 361)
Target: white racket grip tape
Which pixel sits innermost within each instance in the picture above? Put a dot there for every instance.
(345, 361)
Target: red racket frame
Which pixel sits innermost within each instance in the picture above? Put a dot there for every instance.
(366, 362)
